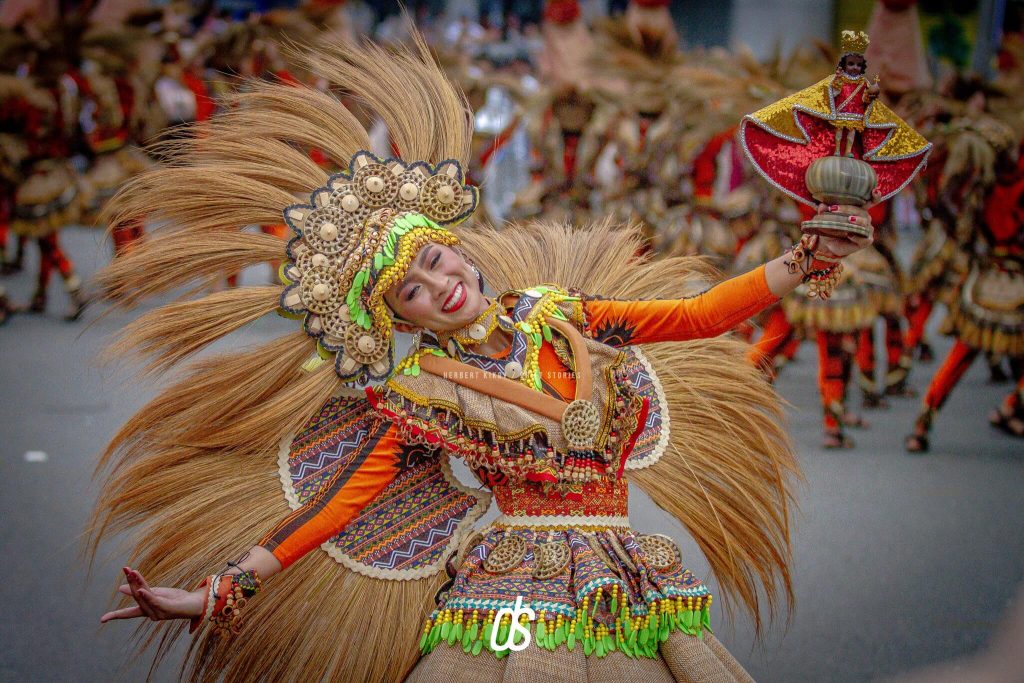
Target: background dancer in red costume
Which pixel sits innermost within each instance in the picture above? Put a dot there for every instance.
(987, 311)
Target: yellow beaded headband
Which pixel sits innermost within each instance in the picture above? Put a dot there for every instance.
(354, 240)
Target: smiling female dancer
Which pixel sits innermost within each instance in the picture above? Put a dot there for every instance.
(553, 396)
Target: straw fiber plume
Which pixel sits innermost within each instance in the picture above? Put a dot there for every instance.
(594, 260)
(309, 117)
(427, 118)
(154, 266)
(168, 334)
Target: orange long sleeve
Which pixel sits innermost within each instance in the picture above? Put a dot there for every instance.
(341, 498)
(709, 314)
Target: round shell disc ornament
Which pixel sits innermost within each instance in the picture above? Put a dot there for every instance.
(366, 346)
(581, 423)
(442, 197)
(410, 184)
(320, 291)
(375, 185)
(506, 555)
(660, 551)
(328, 231)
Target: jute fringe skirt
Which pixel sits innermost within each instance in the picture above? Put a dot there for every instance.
(684, 659)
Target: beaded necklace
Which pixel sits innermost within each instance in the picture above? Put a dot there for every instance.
(473, 333)
(529, 329)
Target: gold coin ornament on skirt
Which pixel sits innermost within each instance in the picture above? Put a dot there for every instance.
(354, 240)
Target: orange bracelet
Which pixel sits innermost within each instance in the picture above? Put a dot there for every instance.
(216, 599)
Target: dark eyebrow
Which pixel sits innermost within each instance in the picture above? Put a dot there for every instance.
(419, 261)
(423, 255)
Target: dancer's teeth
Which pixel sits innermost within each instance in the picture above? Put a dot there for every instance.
(454, 298)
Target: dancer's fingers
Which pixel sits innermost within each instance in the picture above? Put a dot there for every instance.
(126, 613)
(133, 585)
(141, 579)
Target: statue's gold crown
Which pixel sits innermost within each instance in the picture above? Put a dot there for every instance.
(854, 41)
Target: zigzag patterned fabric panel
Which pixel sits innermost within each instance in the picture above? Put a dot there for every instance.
(411, 522)
(330, 440)
(646, 386)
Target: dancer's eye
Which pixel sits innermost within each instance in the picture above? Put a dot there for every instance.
(412, 293)
(433, 261)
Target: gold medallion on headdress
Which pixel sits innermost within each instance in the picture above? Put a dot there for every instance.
(354, 240)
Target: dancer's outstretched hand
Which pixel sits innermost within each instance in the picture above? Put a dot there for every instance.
(859, 216)
(156, 603)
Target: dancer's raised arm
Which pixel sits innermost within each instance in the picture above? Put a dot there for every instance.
(727, 304)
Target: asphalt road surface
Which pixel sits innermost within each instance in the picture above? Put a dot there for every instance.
(900, 561)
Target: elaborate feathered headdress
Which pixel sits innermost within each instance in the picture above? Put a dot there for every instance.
(354, 240)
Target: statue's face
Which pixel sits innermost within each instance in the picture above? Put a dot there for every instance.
(853, 65)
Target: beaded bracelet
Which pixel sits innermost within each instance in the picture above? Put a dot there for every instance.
(227, 618)
(226, 597)
(821, 274)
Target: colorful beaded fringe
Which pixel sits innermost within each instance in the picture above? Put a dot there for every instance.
(633, 635)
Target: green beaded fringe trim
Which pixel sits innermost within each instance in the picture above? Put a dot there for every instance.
(633, 636)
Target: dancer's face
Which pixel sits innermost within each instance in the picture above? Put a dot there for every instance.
(440, 292)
